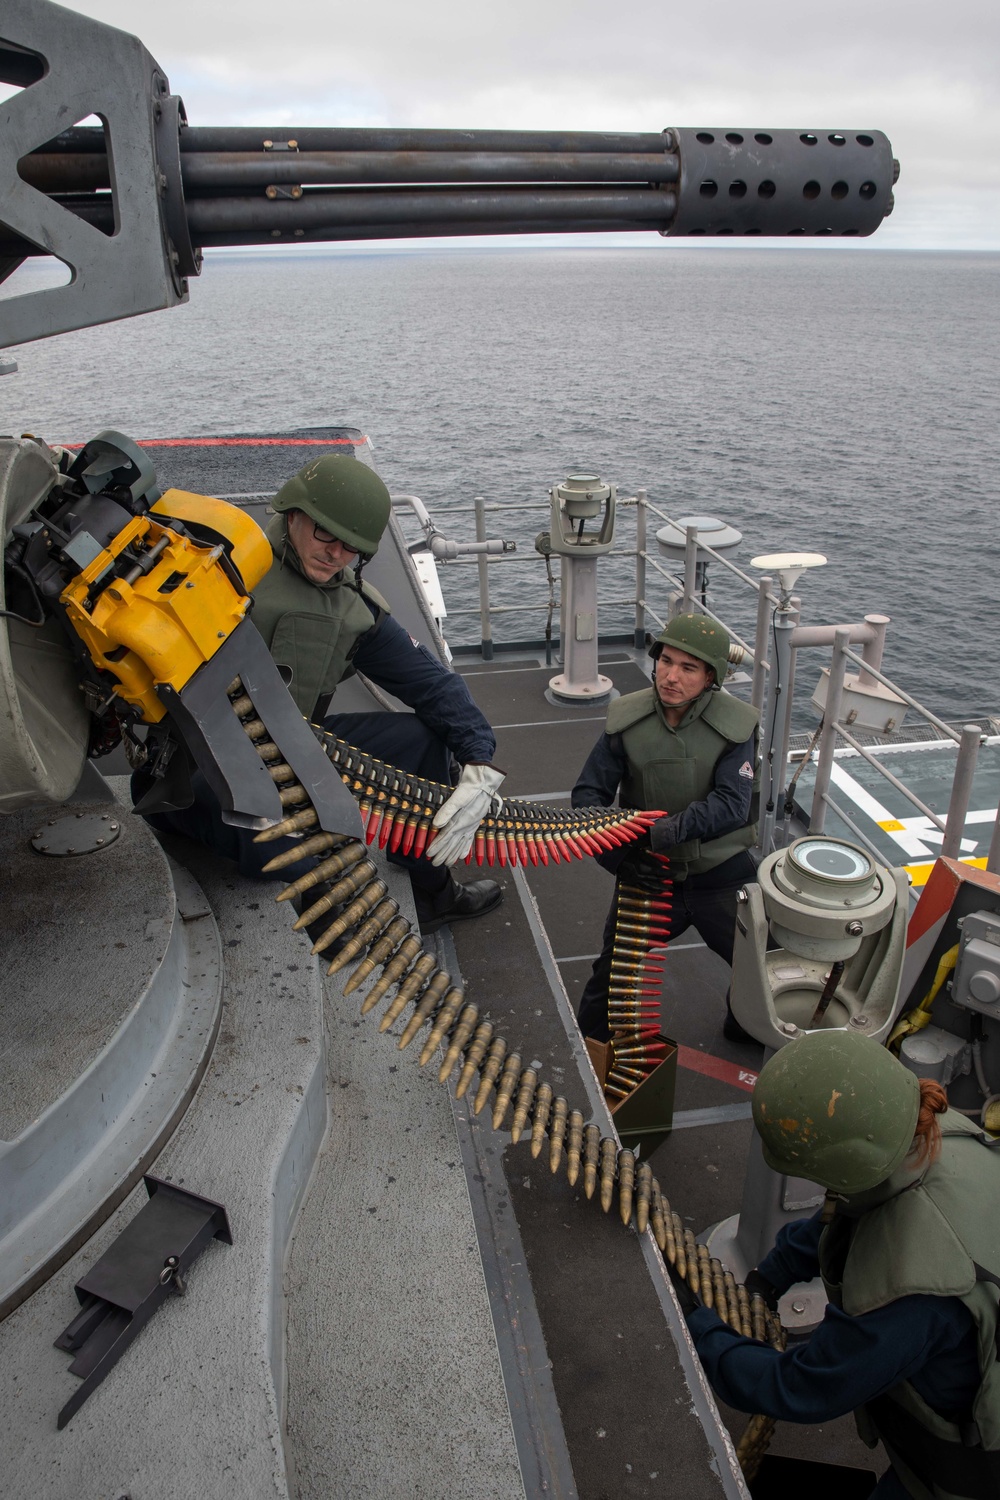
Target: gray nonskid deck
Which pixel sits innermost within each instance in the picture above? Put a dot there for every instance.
(394, 1382)
(191, 1410)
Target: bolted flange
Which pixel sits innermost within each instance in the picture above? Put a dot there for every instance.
(76, 833)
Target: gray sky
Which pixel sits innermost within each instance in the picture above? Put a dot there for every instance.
(925, 73)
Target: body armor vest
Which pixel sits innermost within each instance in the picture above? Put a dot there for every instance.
(939, 1234)
(670, 768)
(313, 629)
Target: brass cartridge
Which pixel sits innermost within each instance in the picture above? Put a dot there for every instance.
(643, 1195)
(369, 930)
(609, 1156)
(393, 971)
(421, 975)
(474, 1056)
(463, 1031)
(370, 896)
(490, 1072)
(540, 1117)
(450, 1007)
(381, 951)
(557, 1132)
(525, 1094)
(591, 1153)
(505, 1088)
(574, 1143)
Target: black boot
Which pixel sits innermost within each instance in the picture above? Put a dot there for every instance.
(454, 903)
(733, 1031)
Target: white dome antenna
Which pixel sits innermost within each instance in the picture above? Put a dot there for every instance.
(789, 567)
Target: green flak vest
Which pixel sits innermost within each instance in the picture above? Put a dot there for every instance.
(311, 628)
(936, 1233)
(670, 768)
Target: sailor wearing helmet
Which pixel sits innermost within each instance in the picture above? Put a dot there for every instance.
(687, 746)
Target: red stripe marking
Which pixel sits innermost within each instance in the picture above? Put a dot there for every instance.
(250, 442)
(716, 1067)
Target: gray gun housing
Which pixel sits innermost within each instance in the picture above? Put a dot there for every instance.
(132, 218)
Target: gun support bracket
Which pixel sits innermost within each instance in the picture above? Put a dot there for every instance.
(146, 1264)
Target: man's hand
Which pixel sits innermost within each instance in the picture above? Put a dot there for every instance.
(644, 869)
(688, 1299)
(755, 1282)
(463, 812)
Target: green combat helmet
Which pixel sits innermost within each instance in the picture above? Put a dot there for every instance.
(837, 1109)
(343, 496)
(698, 635)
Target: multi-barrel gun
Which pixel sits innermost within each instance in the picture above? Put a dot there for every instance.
(130, 204)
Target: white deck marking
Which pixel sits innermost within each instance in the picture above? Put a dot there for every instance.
(866, 803)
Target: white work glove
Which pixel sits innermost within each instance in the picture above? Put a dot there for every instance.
(463, 812)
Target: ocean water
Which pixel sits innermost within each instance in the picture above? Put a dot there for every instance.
(836, 401)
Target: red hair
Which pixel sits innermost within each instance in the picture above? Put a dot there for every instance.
(927, 1137)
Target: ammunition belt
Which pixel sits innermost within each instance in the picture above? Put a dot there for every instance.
(380, 938)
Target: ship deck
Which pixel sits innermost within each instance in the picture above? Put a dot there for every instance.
(413, 1304)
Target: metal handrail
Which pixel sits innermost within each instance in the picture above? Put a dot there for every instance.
(774, 616)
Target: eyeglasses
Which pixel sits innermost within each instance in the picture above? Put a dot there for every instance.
(328, 539)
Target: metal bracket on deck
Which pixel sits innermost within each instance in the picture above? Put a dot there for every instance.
(146, 1264)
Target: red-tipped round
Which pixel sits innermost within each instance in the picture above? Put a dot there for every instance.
(373, 824)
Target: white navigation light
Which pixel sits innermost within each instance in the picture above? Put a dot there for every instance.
(789, 566)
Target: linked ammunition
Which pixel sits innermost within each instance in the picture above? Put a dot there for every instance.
(705, 1277)
(490, 1072)
(450, 1007)
(337, 894)
(474, 1056)
(525, 1094)
(540, 1117)
(398, 810)
(360, 907)
(574, 1144)
(758, 1317)
(678, 1231)
(325, 870)
(591, 1153)
(557, 1132)
(381, 950)
(420, 976)
(626, 1184)
(719, 1288)
(663, 1228)
(366, 933)
(392, 973)
(606, 1171)
(643, 1195)
(734, 1318)
(463, 1031)
(317, 844)
(506, 1087)
(691, 1256)
(429, 1003)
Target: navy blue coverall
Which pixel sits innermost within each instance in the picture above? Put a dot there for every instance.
(705, 902)
(929, 1341)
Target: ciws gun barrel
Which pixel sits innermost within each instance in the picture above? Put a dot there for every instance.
(176, 189)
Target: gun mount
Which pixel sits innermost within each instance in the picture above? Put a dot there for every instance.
(129, 205)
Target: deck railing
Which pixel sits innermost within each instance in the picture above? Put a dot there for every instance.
(771, 653)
